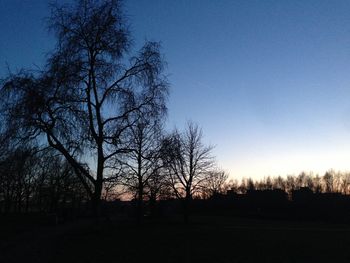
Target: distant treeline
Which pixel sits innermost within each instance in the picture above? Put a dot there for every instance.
(330, 182)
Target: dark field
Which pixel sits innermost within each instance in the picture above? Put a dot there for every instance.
(206, 239)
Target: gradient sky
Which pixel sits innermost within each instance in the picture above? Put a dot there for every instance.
(268, 81)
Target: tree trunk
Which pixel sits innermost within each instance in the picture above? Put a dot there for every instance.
(140, 204)
(186, 217)
(187, 202)
(153, 203)
(96, 200)
(27, 202)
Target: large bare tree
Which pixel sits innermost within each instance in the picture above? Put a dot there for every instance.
(85, 99)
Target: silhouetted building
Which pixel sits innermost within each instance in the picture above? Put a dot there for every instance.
(275, 198)
(302, 195)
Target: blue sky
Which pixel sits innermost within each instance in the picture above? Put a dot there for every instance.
(268, 81)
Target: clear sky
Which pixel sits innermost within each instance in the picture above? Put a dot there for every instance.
(268, 81)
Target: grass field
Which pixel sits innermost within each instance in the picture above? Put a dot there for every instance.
(206, 239)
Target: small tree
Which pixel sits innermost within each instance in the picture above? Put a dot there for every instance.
(188, 162)
(142, 165)
(328, 180)
(215, 183)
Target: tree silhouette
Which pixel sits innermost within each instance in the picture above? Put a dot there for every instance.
(215, 182)
(33, 180)
(189, 162)
(142, 165)
(83, 100)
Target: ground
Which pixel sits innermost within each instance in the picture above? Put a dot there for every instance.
(206, 239)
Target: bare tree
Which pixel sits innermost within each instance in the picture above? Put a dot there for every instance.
(215, 182)
(33, 180)
(188, 162)
(345, 182)
(16, 179)
(328, 180)
(279, 183)
(142, 164)
(232, 186)
(81, 102)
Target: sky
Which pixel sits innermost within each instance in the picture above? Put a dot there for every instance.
(268, 81)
